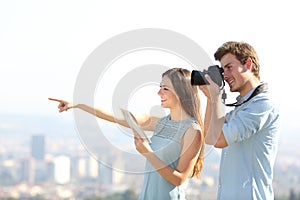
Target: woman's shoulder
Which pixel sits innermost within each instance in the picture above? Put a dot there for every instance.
(196, 126)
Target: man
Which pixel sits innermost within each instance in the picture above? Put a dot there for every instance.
(248, 135)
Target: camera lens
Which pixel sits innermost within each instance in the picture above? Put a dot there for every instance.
(197, 78)
(215, 72)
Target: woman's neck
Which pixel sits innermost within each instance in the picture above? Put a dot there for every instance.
(178, 114)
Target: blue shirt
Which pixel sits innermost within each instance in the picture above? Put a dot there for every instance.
(252, 133)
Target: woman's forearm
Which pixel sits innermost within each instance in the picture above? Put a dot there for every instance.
(101, 114)
(167, 172)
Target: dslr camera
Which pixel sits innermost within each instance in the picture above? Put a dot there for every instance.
(215, 72)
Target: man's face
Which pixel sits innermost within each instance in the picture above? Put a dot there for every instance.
(234, 72)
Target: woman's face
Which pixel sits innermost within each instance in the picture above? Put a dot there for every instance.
(167, 94)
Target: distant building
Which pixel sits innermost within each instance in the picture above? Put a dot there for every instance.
(28, 170)
(108, 175)
(85, 168)
(62, 167)
(34, 171)
(40, 171)
(38, 147)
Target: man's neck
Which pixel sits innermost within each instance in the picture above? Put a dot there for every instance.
(250, 85)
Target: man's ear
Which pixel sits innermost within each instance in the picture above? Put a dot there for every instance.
(249, 63)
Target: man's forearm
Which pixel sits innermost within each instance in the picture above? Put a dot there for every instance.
(214, 120)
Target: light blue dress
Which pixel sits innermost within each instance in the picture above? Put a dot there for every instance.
(166, 143)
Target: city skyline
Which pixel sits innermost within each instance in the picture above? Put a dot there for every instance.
(70, 147)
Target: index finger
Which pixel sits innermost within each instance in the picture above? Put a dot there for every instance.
(52, 99)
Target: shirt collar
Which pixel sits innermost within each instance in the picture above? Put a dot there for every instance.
(241, 99)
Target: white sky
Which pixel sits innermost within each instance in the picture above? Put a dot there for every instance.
(43, 44)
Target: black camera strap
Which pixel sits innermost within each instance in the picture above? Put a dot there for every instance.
(257, 90)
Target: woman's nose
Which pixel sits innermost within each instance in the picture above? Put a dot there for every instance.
(159, 92)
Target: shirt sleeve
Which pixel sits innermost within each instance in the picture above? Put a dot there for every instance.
(246, 120)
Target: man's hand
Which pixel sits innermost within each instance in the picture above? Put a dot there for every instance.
(211, 91)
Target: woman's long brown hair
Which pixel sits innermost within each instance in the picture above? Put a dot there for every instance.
(190, 102)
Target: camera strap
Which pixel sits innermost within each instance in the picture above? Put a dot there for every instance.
(257, 90)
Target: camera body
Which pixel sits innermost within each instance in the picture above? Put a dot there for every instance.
(215, 72)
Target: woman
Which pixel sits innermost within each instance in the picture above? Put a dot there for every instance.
(177, 144)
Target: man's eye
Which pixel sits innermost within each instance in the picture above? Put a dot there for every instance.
(227, 67)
